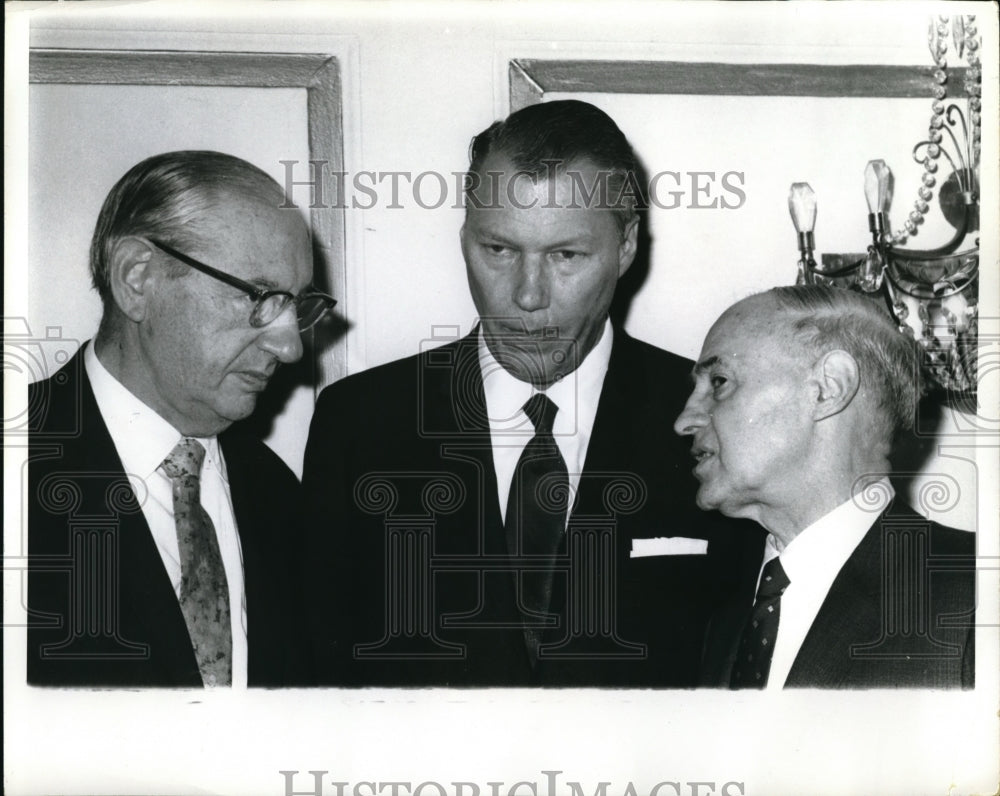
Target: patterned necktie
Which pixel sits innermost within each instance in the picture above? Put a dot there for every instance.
(536, 513)
(204, 590)
(753, 661)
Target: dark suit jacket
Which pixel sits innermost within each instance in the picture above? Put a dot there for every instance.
(102, 611)
(899, 614)
(411, 582)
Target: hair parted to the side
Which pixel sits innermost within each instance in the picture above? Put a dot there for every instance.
(161, 196)
(829, 318)
(550, 137)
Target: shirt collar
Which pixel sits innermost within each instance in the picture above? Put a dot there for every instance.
(825, 546)
(506, 395)
(141, 436)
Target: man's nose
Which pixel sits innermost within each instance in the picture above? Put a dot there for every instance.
(692, 418)
(531, 292)
(281, 337)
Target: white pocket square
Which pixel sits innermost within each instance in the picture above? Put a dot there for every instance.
(668, 546)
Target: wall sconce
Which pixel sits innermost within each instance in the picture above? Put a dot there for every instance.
(932, 293)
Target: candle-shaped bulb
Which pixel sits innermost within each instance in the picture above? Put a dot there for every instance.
(878, 186)
(802, 206)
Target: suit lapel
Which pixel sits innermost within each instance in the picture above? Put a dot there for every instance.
(615, 405)
(624, 384)
(149, 610)
(456, 403)
(459, 405)
(256, 519)
(851, 612)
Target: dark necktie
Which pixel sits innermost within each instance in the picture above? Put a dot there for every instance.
(753, 661)
(204, 594)
(536, 514)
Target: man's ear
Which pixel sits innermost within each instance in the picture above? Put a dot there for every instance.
(129, 272)
(838, 379)
(627, 248)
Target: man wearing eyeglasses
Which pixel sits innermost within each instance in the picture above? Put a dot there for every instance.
(159, 537)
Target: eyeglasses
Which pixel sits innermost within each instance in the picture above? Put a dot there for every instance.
(309, 307)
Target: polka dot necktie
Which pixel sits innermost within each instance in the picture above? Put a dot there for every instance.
(536, 514)
(204, 594)
(753, 661)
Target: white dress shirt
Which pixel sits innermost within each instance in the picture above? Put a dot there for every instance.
(144, 440)
(812, 561)
(576, 395)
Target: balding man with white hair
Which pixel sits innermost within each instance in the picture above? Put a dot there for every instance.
(798, 395)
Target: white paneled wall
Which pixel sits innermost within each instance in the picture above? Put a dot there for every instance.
(418, 87)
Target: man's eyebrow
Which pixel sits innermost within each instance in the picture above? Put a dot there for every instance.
(704, 365)
(581, 239)
(264, 284)
(494, 235)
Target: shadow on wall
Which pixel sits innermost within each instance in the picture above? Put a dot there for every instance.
(948, 491)
(631, 283)
(304, 373)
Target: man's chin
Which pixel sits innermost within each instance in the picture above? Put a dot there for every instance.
(239, 407)
(707, 501)
(725, 506)
(705, 504)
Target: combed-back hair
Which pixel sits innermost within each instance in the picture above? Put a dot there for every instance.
(551, 137)
(830, 318)
(162, 195)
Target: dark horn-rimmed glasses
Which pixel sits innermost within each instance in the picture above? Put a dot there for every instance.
(310, 307)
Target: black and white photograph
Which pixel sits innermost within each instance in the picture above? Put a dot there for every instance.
(498, 398)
